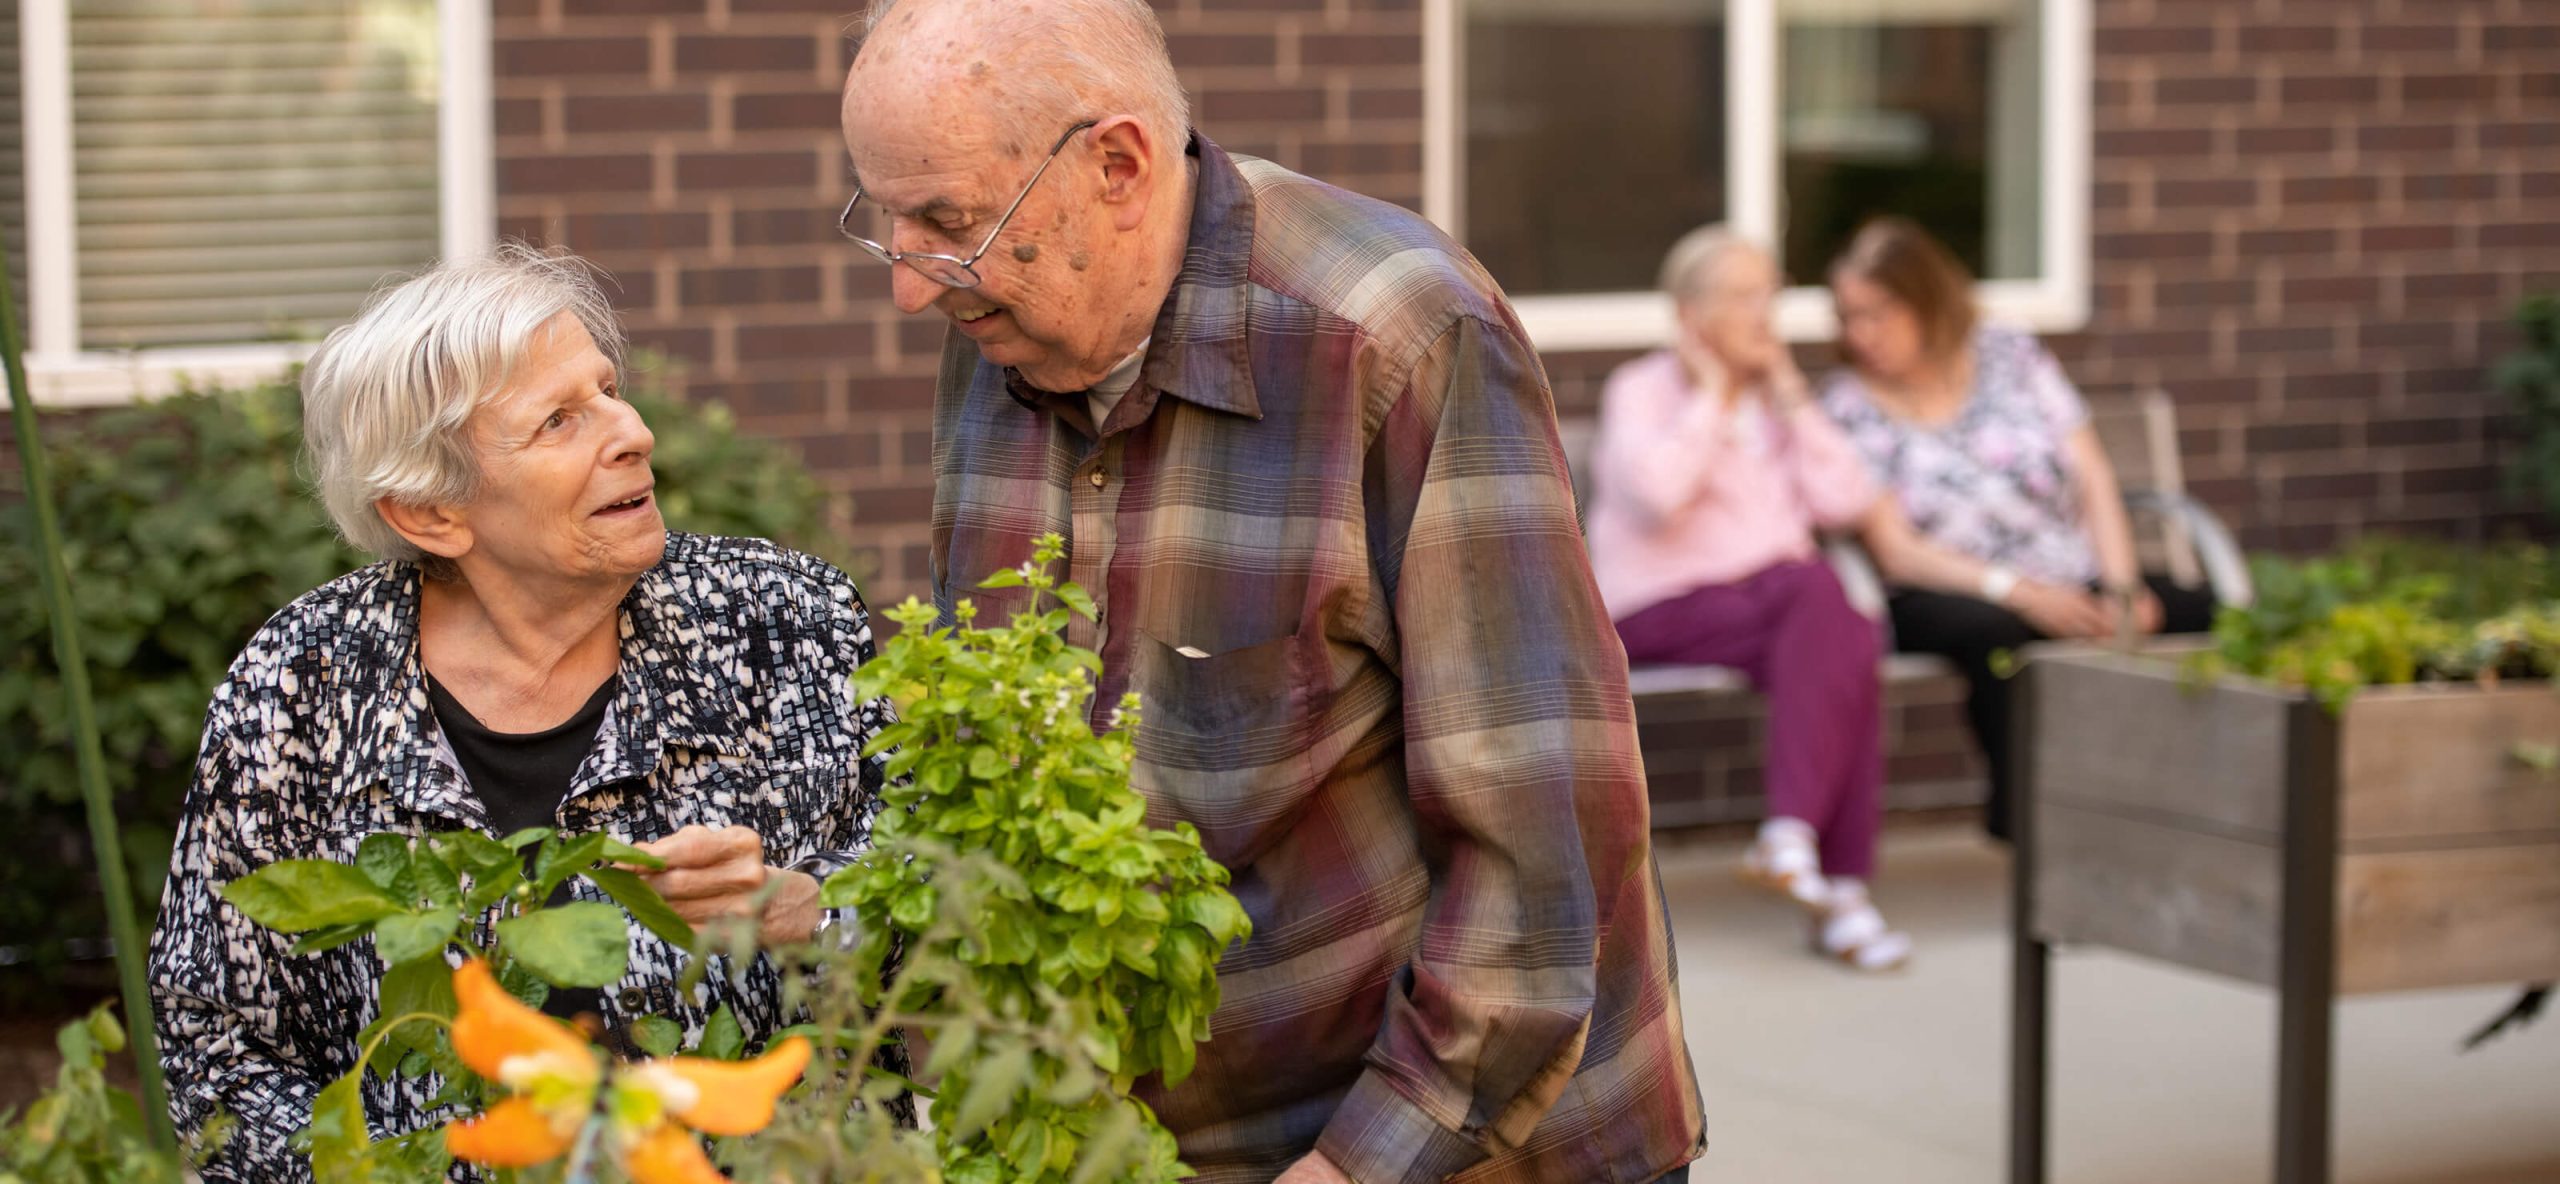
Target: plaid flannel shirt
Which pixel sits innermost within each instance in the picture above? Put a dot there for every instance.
(1334, 548)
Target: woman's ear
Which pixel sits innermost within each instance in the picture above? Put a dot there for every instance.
(441, 531)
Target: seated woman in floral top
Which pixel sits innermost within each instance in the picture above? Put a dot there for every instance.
(1711, 473)
(1988, 452)
(534, 649)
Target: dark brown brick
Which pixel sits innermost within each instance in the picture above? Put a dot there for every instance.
(2294, 437)
(771, 399)
(2417, 432)
(2465, 479)
(2339, 190)
(637, 113)
(565, 57)
(638, 232)
(709, 53)
(2465, 87)
(2328, 89)
(2330, 485)
(785, 225)
(2206, 192)
(2436, 337)
(1262, 5)
(631, 287)
(746, 170)
(2194, 294)
(2278, 141)
(2519, 36)
(811, 109)
(2217, 90)
(2471, 285)
(1298, 104)
(2286, 339)
(2437, 36)
(2153, 244)
(2407, 237)
(2333, 387)
(2153, 143)
(2288, 39)
(2496, 134)
(573, 174)
(1223, 49)
(748, 285)
(2158, 40)
(1360, 49)
(2332, 289)
(2405, 137)
(516, 117)
(2291, 240)
(1342, 160)
(825, 340)
(2502, 236)
(631, 8)
(2452, 187)
(911, 503)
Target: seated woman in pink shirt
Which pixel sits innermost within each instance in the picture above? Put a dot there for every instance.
(1712, 471)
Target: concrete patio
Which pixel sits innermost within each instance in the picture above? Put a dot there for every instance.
(1815, 1075)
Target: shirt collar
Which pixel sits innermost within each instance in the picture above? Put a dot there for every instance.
(1198, 352)
(661, 703)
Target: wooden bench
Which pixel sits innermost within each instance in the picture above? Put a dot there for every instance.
(2173, 533)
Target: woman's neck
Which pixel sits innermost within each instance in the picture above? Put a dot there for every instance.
(1931, 392)
(517, 662)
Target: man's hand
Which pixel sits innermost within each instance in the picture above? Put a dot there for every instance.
(718, 873)
(1314, 1169)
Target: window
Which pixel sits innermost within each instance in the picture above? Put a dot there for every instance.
(1568, 145)
(208, 186)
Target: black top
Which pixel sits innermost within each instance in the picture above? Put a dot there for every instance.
(521, 778)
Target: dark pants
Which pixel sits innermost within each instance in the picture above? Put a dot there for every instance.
(1678, 1175)
(1972, 633)
(1793, 633)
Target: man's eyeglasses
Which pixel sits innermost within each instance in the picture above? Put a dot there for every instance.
(951, 270)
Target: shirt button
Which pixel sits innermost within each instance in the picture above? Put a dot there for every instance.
(1098, 479)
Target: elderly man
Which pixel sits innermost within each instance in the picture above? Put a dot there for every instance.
(1307, 464)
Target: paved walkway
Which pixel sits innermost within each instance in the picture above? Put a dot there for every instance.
(1815, 1075)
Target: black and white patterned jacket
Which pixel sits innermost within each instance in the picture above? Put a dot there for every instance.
(736, 707)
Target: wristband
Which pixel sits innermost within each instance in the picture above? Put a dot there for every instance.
(1997, 583)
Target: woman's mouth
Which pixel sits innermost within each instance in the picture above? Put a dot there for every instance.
(636, 501)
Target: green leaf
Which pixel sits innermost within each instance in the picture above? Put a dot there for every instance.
(1008, 578)
(523, 838)
(564, 859)
(622, 852)
(656, 1035)
(991, 1089)
(294, 895)
(384, 859)
(581, 944)
(493, 869)
(644, 904)
(722, 1038)
(339, 1138)
(410, 936)
(331, 938)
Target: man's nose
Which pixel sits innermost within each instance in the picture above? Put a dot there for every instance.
(911, 290)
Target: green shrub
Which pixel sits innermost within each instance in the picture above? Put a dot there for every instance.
(186, 526)
(2531, 377)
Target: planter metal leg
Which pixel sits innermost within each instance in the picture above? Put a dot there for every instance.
(2307, 976)
(2030, 959)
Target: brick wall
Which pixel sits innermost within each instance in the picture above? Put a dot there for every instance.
(690, 147)
(2310, 220)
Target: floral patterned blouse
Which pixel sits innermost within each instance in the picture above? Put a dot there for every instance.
(1997, 482)
(736, 707)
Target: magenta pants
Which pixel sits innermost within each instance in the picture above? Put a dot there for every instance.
(1792, 632)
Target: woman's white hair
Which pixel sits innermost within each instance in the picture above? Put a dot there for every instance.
(387, 398)
(1693, 260)
(1081, 59)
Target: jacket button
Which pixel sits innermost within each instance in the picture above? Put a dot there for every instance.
(1098, 479)
(633, 999)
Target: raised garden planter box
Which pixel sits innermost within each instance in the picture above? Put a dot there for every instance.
(2247, 830)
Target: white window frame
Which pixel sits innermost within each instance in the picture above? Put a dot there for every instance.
(63, 374)
(2055, 302)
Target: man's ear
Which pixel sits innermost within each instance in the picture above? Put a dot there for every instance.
(437, 530)
(1129, 172)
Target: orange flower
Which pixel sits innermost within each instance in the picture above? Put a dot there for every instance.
(652, 1108)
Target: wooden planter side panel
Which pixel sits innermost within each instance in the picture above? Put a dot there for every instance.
(2480, 916)
(2160, 813)
(2437, 763)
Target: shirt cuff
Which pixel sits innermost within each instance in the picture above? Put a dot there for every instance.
(1378, 1136)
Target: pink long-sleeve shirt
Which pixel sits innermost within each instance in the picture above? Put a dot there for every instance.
(1691, 488)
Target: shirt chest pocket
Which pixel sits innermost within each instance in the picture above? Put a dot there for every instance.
(1225, 738)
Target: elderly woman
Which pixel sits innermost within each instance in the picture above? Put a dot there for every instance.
(1712, 471)
(2006, 526)
(534, 649)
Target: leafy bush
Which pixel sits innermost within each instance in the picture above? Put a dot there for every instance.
(2531, 377)
(187, 525)
(2393, 611)
(84, 1130)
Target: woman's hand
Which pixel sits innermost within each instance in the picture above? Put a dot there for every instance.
(2138, 600)
(715, 873)
(2061, 612)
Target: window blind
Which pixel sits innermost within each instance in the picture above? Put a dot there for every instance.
(247, 170)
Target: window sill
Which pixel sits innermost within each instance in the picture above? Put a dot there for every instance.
(1642, 320)
(106, 380)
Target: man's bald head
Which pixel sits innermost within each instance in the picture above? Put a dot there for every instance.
(1032, 68)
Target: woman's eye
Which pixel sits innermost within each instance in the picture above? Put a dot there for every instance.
(557, 418)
